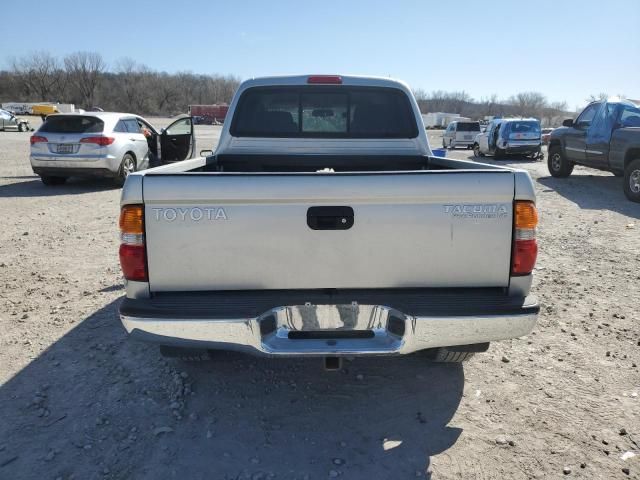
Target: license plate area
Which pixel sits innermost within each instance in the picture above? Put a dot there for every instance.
(65, 148)
(333, 329)
(329, 321)
(330, 334)
(341, 317)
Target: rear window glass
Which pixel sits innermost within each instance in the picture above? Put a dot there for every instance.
(72, 124)
(468, 126)
(630, 117)
(320, 111)
(524, 127)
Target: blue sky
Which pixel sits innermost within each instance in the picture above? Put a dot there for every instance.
(565, 49)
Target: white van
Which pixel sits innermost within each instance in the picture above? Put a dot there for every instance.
(460, 133)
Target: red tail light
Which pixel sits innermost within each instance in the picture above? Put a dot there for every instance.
(102, 141)
(133, 253)
(38, 139)
(329, 79)
(525, 246)
(525, 253)
(133, 262)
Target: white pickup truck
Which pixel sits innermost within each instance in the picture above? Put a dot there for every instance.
(323, 226)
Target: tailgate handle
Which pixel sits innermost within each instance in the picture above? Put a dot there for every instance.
(330, 218)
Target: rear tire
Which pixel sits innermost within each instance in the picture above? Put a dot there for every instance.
(632, 181)
(51, 181)
(22, 127)
(127, 166)
(476, 150)
(498, 154)
(559, 166)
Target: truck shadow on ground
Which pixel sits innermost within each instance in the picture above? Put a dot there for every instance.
(504, 160)
(95, 404)
(593, 192)
(73, 186)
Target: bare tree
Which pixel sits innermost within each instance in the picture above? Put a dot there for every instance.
(441, 101)
(599, 96)
(134, 84)
(84, 70)
(554, 113)
(489, 105)
(166, 92)
(39, 75)
(528, 104)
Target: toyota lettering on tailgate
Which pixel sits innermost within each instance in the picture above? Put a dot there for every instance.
(194, 214)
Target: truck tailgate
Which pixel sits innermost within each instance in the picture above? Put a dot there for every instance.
(223, 231)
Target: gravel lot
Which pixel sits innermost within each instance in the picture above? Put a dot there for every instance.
(78, 400)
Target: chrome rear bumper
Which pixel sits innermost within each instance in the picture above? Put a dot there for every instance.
(331, 329)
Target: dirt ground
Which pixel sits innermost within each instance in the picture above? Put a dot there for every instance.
(78, 400)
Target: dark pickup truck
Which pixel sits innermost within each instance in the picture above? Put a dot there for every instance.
(606, 136)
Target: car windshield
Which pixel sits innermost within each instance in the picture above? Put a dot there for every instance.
(72, 124)
(323, 111)
(468, 127)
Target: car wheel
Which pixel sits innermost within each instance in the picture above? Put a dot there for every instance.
(22, 127)
(632, 181)
(51, 181)
(476, 150)
(498, 154)
(127, 167)
(558, 164)
(444, 145)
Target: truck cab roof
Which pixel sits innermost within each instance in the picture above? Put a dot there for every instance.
(317, 79)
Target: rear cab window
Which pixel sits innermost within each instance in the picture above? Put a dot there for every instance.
(72, 124)
(630, 116)
(324, 111)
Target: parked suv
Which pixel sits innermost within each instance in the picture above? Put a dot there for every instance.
(507, 136)
(460, 133)
(606, 136)
(106, 144)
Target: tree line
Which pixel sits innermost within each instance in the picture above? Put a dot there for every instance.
(524, 104)
(86, 80)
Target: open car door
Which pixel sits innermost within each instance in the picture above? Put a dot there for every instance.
(177, 141)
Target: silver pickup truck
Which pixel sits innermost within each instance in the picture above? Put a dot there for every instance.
(323, 226)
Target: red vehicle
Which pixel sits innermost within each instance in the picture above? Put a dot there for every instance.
(546, 133)
(209, 114)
